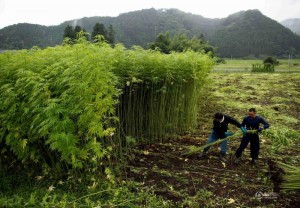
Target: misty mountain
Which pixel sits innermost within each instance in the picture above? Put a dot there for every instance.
(246, 33)
(292, 24)
(250, 33)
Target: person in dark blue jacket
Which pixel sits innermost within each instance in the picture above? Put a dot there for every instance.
(251, 122)
(220, 127)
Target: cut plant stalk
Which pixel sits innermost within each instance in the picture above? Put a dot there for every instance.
(291, 177)
(193, 149)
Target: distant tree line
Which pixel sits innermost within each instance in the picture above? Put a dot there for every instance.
(98, 29)
(180, 43)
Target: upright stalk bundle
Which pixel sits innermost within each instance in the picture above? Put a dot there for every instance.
(161, 93)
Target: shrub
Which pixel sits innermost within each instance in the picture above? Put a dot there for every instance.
(271, 61)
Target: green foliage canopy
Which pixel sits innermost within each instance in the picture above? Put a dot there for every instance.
(180, 43)
(108, 34)
(271, 60)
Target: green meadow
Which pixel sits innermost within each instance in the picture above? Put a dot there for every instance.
(239, 65)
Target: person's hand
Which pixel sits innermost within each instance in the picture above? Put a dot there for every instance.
(244, 130)
(227, 134)
(260, 129)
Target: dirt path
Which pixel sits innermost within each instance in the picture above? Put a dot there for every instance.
(178, 178)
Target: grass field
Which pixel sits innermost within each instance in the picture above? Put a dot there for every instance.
(158, 175)
(246, 65)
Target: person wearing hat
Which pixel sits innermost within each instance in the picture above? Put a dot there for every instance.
(219, 131)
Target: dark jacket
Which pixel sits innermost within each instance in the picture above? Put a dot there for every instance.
(221, 128)
(253, 124)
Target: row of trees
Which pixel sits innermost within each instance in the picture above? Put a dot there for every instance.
(180, 43)
(99, 29)
(164, 42)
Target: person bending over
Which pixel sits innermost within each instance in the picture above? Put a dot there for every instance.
(220, 127)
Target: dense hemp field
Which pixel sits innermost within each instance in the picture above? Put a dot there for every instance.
(76, 110)
(72, 105)
(90, 125)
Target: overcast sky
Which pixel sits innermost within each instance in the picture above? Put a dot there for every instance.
(54, 12)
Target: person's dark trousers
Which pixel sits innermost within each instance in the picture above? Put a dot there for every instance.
(214, 137)
(254, 145)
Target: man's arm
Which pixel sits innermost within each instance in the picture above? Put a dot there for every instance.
(234, 121)
(244, 122)
(266, 124)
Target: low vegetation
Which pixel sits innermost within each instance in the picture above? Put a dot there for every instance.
(245, 65)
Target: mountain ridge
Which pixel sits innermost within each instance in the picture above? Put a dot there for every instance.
(245, 33)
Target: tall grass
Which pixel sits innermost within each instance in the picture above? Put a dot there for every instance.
(161, 92)
(61, 106)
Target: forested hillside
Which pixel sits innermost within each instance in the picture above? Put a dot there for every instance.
(243, 34)
(251, 33)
